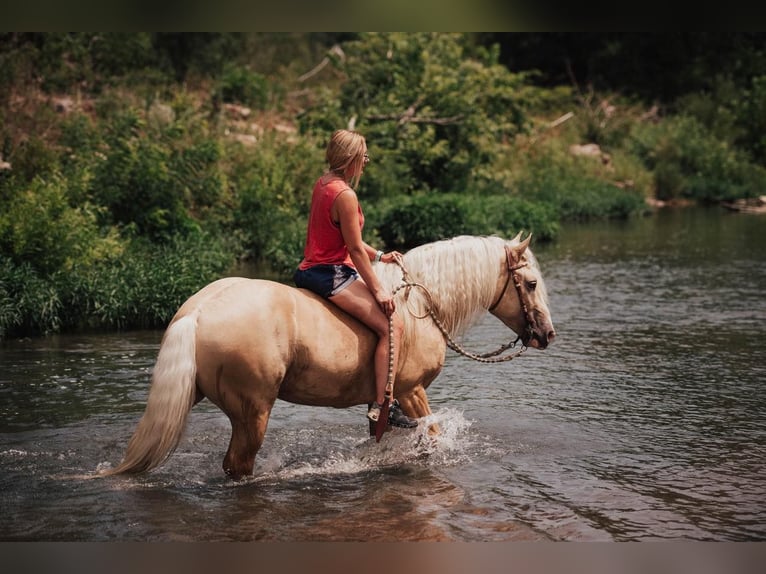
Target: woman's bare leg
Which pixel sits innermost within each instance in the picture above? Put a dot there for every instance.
(358, 301)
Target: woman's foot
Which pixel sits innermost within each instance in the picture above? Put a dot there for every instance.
(396, 417)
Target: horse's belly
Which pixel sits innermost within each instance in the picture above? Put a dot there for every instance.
(332, 364)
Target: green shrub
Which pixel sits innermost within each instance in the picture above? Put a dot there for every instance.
(505, 215)
(38, 226)
(434, 109)
(31, 158)
(690, 162)
(142, 288)
(422, 219)
(272, 186)
(752, 114)
(430, 217)
(152, 180)
(238, 84)
(145, 286)
(582, 199)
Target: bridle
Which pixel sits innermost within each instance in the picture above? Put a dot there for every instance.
(491, 357)
(512, 268)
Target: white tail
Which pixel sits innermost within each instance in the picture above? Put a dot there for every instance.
(171, 397)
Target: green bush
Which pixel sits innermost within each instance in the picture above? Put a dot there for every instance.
(272, 186)
(142, 288)
(38, 226)
(434, 109)
(152, 179)
(505, 215)
(238, 84)
(430, 217)
(422, 219)
(690, 162)
(145, 286)
(576, 188)
(753, 115)
(31, 158)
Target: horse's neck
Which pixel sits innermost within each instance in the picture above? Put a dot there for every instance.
(455, 282)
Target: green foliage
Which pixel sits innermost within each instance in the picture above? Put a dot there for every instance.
(273, 184)
(753, 116)
(142, 288)
(39, 226)
(193, 54)
(732, 113)
(420, 219)
(33, 158)
(115, 54)
(434, 112)
(688, 161)
(574, 194)
(29, 304)
(238, 84)
(136, 184)
(153, 176)
(506, 215)
(145, 286)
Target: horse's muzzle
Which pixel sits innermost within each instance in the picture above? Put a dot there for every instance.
(540, 340)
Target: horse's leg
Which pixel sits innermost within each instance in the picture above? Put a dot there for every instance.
(415, 404)
(247, 431)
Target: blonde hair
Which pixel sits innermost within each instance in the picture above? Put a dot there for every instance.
(345, 155)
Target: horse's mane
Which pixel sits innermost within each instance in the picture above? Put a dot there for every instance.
(461, 275)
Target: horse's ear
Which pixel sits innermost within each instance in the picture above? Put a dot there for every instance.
(526, 242)
(519, 249)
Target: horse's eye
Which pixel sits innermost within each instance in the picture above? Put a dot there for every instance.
(531, 285)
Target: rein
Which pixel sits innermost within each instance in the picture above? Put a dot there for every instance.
(492, 356)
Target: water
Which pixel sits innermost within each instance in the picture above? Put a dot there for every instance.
(645, 420)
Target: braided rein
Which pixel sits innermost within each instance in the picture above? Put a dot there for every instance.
(492, 356)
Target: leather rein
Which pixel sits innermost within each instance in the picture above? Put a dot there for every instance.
(491, 357)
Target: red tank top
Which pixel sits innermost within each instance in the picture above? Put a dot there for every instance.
(324, 241)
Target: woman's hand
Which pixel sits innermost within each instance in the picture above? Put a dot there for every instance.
(391, 257)
(386, 302)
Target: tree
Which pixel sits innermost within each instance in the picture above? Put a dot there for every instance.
(434, 108)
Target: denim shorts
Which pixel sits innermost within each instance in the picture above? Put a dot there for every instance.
(325, 280)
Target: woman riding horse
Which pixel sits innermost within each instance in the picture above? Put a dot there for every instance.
(335, 256)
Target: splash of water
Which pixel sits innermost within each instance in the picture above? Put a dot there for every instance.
(347, 455)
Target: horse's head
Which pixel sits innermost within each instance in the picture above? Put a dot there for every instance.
(521, 301)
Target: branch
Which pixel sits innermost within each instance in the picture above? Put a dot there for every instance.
(335, 50)
(416, 119)
(561, 120)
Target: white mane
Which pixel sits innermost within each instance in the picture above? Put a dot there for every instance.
(461, 275)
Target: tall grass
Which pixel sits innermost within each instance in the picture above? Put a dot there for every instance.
(142, 288)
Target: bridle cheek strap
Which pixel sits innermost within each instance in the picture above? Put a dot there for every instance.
(511, 267)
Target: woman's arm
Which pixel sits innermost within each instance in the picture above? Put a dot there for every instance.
(347, 206)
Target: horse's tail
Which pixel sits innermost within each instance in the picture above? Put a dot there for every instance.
(171, 397)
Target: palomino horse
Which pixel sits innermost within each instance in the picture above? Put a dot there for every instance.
(244, 343)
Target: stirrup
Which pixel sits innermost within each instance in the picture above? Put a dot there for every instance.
(374, 412)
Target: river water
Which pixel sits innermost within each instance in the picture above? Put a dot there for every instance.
(645, 420)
